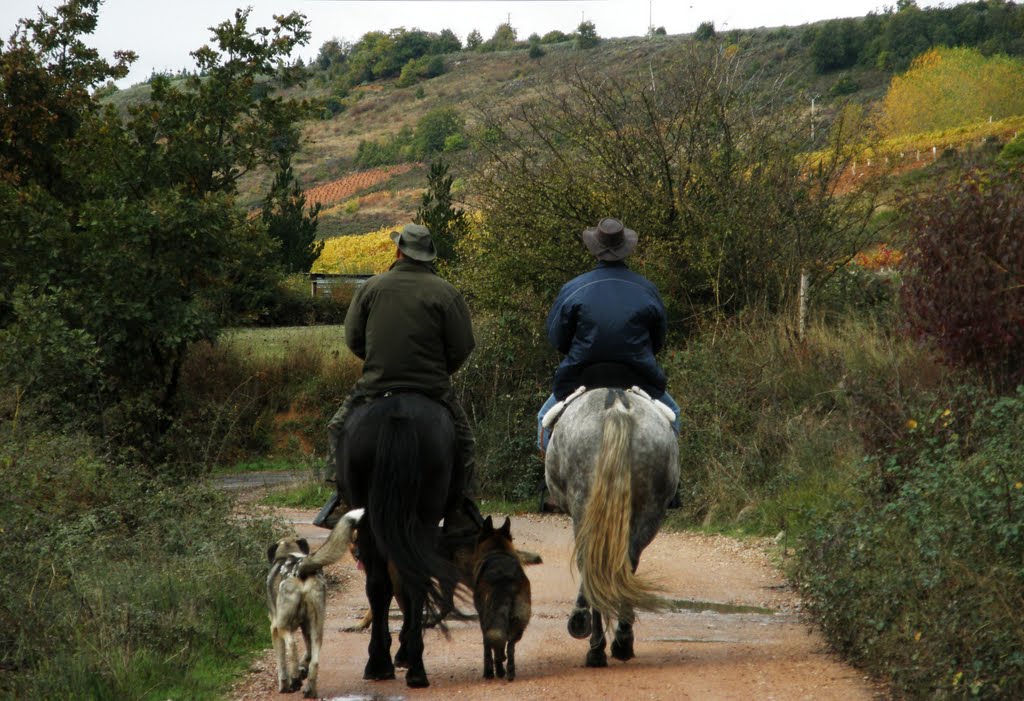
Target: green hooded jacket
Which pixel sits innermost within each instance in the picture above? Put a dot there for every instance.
(411, 328)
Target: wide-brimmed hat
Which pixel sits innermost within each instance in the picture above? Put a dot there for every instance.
(414, 241)
(609, 240)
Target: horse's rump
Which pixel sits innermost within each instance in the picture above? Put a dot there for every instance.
(612, 464)
(400, 459)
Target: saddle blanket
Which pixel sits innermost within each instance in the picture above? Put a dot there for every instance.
(556, 410)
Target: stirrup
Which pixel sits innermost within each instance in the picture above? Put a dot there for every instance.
(330, 514)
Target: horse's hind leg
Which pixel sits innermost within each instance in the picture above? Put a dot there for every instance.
(580, 619)
(622, 645)
(416, 674)
(378, 592)
(596, 656)
(488, 661)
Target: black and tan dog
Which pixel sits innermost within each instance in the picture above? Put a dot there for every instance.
(501, 594)
(297, 598)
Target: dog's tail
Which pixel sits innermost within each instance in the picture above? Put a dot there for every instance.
(335, 547)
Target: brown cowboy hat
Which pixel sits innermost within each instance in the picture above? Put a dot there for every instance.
(414, 242)
(609, 240)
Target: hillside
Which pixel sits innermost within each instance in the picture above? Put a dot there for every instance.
(819, 67)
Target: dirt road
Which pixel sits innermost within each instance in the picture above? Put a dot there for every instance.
(755, 645)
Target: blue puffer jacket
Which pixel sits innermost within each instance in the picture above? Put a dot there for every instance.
(609, 314)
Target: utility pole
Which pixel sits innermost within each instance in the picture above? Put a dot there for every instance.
(812, 117)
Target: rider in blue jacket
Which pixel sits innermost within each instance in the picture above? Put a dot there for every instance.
(606, 320)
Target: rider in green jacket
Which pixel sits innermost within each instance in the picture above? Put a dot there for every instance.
(412, 330)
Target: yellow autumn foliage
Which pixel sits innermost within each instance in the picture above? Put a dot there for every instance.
(947, 88)
(363, 253)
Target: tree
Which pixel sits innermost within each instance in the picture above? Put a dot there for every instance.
(536, 51)
(125, 229)
(289, 224)
(446, 43)
(720, 184)
(503, 39)
(474, 40)
(705, 31)
(434, 128)
(586, 36)
(447, 223)
(949, 87)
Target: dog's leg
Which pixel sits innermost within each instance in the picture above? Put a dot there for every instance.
(292, 654)
(499, 660)
(488, 661)
(314, 639)
(283, 682)
(304, 665)
(511, 660)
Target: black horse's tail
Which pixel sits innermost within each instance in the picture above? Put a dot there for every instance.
(410, 544)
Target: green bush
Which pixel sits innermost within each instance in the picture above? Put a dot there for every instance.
(918, 576)
(271, 393)
(502, 388)
(772, 427)
(122, 584)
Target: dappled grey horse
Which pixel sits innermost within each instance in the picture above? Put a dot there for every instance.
(613, 465)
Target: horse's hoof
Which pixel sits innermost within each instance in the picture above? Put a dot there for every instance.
(416, 680)
(580, 623)
(597, 658)
(622, 650)
(402, 659)
(310, 692)
(378, 674)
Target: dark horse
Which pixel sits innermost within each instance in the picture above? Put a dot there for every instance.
(613, 465)
(399, 464)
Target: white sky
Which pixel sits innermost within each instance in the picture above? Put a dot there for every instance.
(163, 33)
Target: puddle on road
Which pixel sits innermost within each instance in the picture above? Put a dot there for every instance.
(699, 606)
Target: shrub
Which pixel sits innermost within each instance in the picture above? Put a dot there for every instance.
(705, 31)
(918, 577)
(1013, 153)
(772, 428)
(962, 274)
(123, 584)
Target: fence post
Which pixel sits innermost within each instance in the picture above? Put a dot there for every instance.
(801, 314)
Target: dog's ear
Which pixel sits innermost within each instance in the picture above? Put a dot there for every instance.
(271, 551)
(488, 524)
(506, 528)
(303, 546)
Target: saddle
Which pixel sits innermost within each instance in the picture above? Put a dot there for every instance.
(606, 375)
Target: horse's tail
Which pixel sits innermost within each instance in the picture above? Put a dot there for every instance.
(392, 508)
(336, 545)
(601, 550)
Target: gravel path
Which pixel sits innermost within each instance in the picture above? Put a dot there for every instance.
(714, 647)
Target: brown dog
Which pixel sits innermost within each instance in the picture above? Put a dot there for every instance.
(501, 594)
(296, 600)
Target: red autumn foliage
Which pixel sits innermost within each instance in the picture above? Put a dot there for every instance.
(964, 272)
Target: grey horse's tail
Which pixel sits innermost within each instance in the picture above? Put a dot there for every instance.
(601, 550)
(335, 547)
